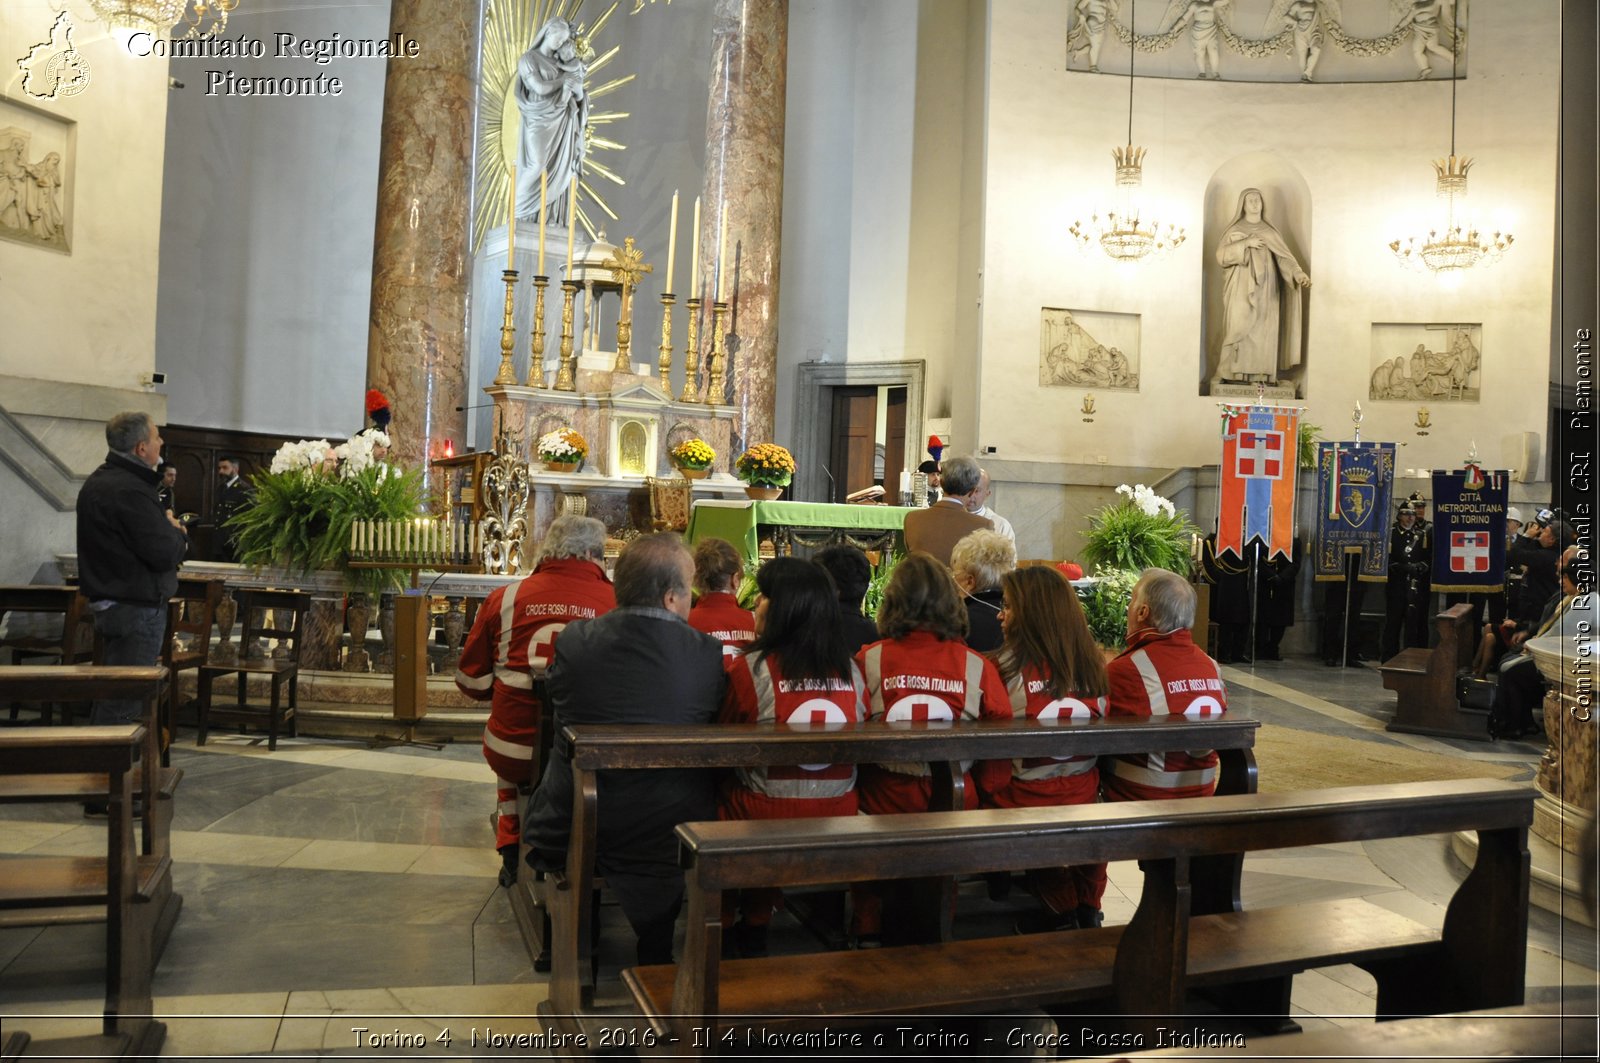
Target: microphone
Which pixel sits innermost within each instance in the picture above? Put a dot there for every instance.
(484, 406)
(833, 485)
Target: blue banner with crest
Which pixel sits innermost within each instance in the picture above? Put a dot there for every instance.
(1469, 529)
(1355, 486)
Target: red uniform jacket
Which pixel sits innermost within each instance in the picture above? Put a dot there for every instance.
(924, 677)
(511, 642)
(1163, 675)
(1041, 781)
(719, 615)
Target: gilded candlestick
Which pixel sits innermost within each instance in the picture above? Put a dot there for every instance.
(567, 373)
(627, 267)
(717, 368)
(536, 357)
(691, 354)
(665, 364)
(508, 371)
(624, 363)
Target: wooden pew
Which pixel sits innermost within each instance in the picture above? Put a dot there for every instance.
(1530, 1033)
(1425, 681)
(87, 682)
(569, 898)
(125, 890)
(1146, 968)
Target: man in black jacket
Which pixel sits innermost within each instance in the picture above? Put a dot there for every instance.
(128, 552)
(639, 663)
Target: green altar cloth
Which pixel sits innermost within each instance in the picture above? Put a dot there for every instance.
(736, 521)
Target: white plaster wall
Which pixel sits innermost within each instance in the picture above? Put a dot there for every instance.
(90, 314)
(267, 223)
(1364, 151)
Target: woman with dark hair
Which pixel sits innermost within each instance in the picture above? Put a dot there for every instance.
(717, 571)
(797, 672)
(921, 670)
(852, 575)
(1053, 672)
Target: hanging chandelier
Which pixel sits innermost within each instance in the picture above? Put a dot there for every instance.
(160, 17)
(1122, 230)
(1457, 244)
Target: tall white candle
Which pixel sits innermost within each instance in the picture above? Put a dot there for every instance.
(543, 183)
(352, 537)
(511, 222)
(672, 240)
(722, 257)
(694, 258)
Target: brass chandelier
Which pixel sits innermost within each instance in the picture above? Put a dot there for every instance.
(1456, 245)
(203, 18)
(1123, 231)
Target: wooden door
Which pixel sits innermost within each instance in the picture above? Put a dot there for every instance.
(894, 448)
(855, 415)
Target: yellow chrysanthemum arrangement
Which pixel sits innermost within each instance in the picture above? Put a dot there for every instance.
(693, 454)
(766, 465)
(562, 445)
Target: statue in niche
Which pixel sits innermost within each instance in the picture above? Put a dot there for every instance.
(1427, 19)
(555, 108)
(1303, 19)
(1089, 31)
(1261, 297)
(1201, 16)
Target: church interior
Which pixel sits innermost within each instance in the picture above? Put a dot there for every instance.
(809, 223)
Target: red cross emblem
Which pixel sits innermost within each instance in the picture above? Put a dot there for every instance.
(542, 646)
(1469, 551)
(919, 708)
(1259, 454)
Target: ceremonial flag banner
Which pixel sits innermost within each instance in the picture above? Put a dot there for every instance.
(1355, 482)
(1469, 530)
(1260, 445)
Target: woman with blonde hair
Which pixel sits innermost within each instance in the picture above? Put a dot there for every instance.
(921, 671)
(977, 562)
(1053, 672)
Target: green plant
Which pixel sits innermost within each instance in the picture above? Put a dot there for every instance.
(1107, 607)
(880, 580)
(693, 454)
(765, 465)
(1307, 453)
(1141, 531)
(300, 519)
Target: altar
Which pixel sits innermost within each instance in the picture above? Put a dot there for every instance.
(739, 521)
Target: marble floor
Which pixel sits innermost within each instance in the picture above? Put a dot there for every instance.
(332, 887)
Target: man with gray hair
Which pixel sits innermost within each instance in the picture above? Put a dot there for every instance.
(1162, 673)
(129, 549)
(937, 529)
(508, 650)
(978, 504)
(641, 663)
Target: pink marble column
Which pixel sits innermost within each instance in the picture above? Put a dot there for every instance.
(744, 175)
(420, 258)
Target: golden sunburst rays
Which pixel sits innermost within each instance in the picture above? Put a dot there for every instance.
(508, 29)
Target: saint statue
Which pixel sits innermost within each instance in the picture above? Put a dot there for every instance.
(550, 94)
(1261, 297)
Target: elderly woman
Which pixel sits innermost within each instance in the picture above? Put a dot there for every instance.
(797, 672)
(717, 571)
(1053, 673)
(978, 562)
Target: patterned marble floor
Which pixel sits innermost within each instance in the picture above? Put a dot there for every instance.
(329, 887)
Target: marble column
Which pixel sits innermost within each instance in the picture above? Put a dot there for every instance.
(416, 346)
(744, 175)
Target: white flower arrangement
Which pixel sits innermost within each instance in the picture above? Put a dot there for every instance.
(305, 456)
(356, 454)
(563, 444)
(1147, 500)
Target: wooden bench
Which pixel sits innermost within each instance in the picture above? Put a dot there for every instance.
(125, 890)
(71, 643)
(1530, 1033)
(1175, 941)
(569, 898)
(154, 784)
(1425, 681)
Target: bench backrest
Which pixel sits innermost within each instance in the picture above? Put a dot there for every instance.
(792, 852)
(1457, 643)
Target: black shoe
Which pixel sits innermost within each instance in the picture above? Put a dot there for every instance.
(508, 866)
(1089, 917)
(1045, 921)
(869, 941)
